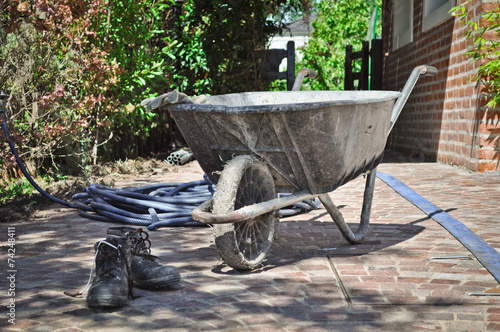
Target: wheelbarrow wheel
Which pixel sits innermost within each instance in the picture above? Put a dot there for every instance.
(245, 181)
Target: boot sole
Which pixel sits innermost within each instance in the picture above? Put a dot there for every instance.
(107, 301)
(158, 282)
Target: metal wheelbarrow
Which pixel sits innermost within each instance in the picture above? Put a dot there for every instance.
(256, 145)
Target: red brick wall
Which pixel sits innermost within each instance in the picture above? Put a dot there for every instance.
(444, 118)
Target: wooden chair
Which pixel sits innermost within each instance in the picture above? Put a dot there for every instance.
(363, 77)
(272, 64)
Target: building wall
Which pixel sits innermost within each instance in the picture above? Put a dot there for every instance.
(444, 118)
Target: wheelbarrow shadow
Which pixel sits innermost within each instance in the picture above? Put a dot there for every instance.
(305, 236)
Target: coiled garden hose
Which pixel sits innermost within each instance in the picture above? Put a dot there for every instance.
(152, 206)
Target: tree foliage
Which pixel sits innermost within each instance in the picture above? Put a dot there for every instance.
(229, 33)
(339, 23)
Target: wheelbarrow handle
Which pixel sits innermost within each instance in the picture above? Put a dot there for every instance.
(303, 73)
(427, 70)
(405, 93)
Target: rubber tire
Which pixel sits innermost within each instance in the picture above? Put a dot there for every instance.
(244, 181)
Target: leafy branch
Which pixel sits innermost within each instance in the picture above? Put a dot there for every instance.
(484, 33)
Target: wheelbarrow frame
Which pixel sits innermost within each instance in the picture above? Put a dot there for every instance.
(205, 215)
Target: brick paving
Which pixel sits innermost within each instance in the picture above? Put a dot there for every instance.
(313, 280)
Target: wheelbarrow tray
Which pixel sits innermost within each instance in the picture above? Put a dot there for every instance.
(311, 140)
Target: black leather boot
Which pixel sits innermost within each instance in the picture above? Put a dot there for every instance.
(146, 272)
(112, 284)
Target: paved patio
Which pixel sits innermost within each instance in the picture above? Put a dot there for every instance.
(399, 279)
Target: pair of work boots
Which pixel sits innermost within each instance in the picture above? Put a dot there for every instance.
(122, 261)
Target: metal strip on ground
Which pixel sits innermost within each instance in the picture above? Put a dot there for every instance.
(486, 254)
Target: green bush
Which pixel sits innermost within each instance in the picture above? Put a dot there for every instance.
(75, 72)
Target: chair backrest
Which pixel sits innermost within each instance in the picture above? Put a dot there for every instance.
(273, 59)
(367, 80)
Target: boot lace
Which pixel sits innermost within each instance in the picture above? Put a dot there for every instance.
(140, 245)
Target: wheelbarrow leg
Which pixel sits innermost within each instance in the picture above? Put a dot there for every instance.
(336, 215)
